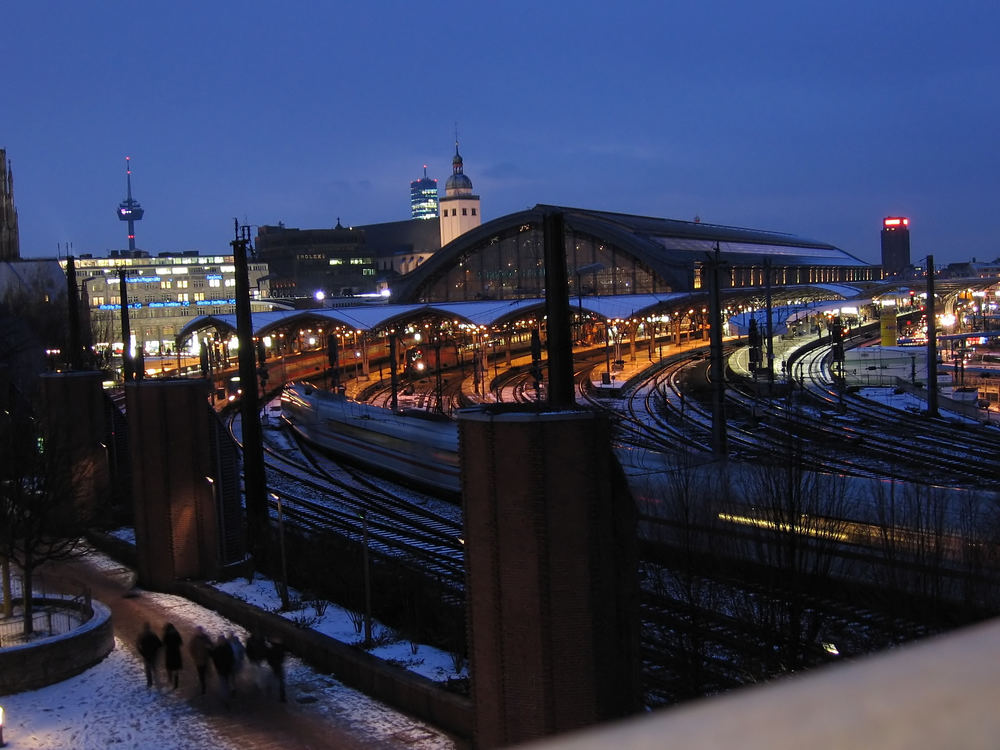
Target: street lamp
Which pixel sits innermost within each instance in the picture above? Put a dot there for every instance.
(283, 589)
(220, 514)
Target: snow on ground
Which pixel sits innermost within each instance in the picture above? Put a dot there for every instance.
(338, 623)
(106, 705)
(914, 404)
(109, 704)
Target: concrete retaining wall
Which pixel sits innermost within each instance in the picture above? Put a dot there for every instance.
(395, 686)
(50, 660)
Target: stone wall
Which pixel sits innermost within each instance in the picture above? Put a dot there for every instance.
(395, 686)
(50, 660)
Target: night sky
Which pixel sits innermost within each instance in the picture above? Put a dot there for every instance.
(817, 119)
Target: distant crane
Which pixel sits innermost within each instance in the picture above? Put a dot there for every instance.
(129, 210)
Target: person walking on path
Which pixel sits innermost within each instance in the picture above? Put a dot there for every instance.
(239, 653)
(223, 660)
(256, 647)
(149, 647)
(172, 643)
(276, 660)
(200, 649)
(256, 652)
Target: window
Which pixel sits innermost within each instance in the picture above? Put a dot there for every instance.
(473, 212)
(182, 297)
(465, 212)
(215, 282)
(454, 212)
(199, 296)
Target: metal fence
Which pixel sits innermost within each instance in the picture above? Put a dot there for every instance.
(48, 618)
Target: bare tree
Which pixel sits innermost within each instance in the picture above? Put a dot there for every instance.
(939, 549)
(690, 500)
(39, 519)
(796, 521)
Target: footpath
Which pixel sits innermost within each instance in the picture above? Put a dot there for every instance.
(251, 719)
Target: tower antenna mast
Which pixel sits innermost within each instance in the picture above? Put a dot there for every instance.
(129, 209)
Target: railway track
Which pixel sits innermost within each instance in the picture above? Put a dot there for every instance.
(828, 428)
(664, 413)
(857, 435)
(319, 495)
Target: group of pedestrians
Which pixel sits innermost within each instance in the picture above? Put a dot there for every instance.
(226, 655)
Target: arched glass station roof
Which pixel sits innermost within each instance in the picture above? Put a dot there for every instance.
(619, 266)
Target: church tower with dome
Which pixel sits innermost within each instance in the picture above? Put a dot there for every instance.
(459, 206)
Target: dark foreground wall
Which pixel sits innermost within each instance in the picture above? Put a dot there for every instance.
(50, 660)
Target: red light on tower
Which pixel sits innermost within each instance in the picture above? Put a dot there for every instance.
(891, 222)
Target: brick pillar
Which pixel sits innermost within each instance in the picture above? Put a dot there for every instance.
(75, 413)
(177, 529)
(551, 574)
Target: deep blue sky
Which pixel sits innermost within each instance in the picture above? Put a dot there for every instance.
(817, 119)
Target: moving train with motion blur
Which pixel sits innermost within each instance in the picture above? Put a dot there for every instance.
(414, 447)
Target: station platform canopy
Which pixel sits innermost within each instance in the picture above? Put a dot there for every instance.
(784, 316)
(482, 313)
(488, 313)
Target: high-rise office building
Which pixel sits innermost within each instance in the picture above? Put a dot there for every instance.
(10, 248)
(459, 207)
(424, 197)
(895, 244)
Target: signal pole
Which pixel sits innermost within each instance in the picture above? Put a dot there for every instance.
(75, 347)
(254, 480)
(932, 396)
(559, 344)
(128, 371)
(717, 368)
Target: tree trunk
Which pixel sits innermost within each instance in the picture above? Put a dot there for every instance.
(27, 573)
(8, 604)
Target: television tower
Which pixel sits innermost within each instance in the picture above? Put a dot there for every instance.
(129, 210)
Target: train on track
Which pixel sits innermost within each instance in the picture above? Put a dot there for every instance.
(412, 447)
(424, 360)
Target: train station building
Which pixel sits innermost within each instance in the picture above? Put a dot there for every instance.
(657, 262)
(629, 277)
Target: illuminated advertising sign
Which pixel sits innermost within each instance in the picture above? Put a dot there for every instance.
(888, 326)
